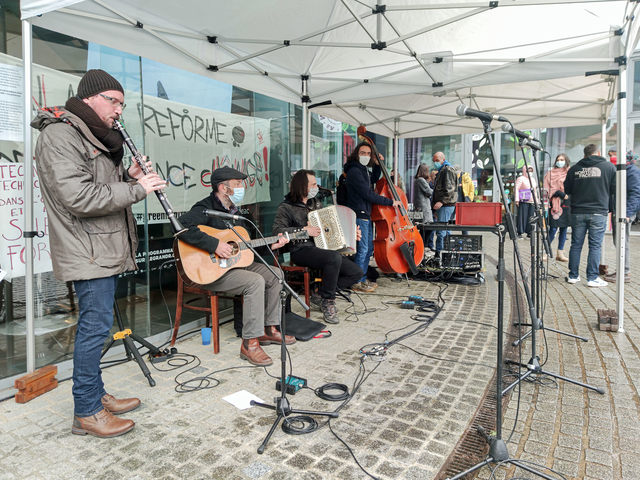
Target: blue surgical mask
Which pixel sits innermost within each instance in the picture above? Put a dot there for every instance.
(560, 164)
(312, 192)
(438, 165)
(238, 195)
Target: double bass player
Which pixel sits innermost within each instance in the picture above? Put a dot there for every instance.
(360, 198)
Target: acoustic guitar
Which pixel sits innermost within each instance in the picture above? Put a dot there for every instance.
(199, 267)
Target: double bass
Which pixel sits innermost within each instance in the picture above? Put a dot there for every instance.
(398, 246)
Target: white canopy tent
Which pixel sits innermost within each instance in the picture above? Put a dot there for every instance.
(400, 67)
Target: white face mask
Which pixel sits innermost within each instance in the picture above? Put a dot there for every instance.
(560, 164)
(364, 160)
(312, 192)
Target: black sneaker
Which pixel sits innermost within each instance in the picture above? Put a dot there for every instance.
(330, 311)
(316, 302)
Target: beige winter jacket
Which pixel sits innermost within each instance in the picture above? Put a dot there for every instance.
(92, 231)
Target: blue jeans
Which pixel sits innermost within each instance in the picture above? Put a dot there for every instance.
(580, 225)
(364, 248)
(443, 214)
(430, 243)
(561, 238)
(95, 301)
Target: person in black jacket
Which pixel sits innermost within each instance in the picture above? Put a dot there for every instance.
(337, 271)
(255, 282)
(589, 183)
(360, 199)
(445, 194)
(633, 205)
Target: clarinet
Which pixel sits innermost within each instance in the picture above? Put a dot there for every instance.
(164, 201)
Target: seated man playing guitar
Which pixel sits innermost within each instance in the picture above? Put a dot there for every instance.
(337, 271)
(255, 282)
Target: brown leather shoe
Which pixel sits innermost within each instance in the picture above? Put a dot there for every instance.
(117, 407)
(271, 335)
(251, 351)
(613, 278)
(102, 425)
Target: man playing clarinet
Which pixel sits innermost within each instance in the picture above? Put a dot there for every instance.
(88, 196)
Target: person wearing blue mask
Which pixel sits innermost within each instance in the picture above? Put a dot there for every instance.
(255, 283)
(445, 194)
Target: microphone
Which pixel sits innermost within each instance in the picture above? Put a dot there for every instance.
(507, 128)
(227, 216)
(324, 192)
(464, 111)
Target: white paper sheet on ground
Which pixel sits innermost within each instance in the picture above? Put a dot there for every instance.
(241, 399)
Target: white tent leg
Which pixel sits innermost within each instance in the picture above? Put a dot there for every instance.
(603, 150)
(621, 194)
(305, 145)
(396, 137)
(28, 194)
(306, 126)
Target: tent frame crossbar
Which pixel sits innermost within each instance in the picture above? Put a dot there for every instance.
(453, 6)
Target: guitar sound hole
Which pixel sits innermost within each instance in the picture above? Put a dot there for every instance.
(235, 248)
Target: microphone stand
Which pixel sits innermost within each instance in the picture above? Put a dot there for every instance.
(539, 236)
(498, 452)
(282, 405)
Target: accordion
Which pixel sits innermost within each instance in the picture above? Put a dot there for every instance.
(337, 228)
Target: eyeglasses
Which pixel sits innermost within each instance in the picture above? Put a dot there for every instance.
(114, 102)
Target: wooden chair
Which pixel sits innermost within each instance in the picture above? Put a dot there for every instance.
(289, 268)
(212, 310)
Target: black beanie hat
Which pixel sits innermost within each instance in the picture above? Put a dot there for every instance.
(97, 81)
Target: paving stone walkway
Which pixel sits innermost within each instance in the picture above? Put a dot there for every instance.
(573, 430)
(404, 421)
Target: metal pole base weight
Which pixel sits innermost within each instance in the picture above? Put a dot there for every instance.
(498, 453)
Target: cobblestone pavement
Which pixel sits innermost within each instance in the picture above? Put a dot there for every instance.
(573, 430)
(403, 422)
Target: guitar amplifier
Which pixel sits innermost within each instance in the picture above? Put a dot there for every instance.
(462, 261)
(463, 243)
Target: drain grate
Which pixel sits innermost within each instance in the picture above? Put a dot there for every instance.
(472, 447)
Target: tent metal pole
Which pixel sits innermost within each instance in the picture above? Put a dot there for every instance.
(396, 137)
(603, 150)
(305, 125)
(621, 193)
(27, 62)
(357, 18)
(446, 6)
(379, 23)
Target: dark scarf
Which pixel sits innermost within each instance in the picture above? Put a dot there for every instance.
(109, 137)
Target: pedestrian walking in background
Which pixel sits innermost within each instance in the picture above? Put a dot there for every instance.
(559, 205)
(589, 184)
(524, 199)
(633, 205)
(422, 201)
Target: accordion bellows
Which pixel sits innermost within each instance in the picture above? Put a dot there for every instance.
(337, 228)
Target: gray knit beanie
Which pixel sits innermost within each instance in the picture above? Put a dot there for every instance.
(97, 81)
